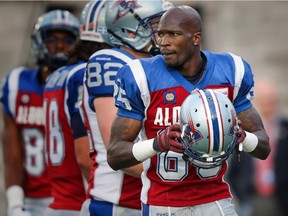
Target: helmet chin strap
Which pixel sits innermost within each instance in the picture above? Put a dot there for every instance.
(153, 50)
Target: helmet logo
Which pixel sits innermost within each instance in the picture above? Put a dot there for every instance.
(192, 135)
(124, 7)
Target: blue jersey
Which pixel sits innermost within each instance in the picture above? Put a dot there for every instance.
(62, 94)
(111, 186)
(148, 91)
(101, 71)
(22, 99)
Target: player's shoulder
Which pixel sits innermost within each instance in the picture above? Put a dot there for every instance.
(76, 72)
(57, 78)
(143, 69)
(155, 60)
(23, 70)
(228, 57)
(111, 55)
(22, 76)
(79, 67)
(224, 56)
(56, 73)
(149, 65)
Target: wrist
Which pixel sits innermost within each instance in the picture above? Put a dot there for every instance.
(143, 150)
(250, 142)
(15, 196)
(156, 145)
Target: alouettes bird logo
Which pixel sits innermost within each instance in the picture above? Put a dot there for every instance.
(124, 6)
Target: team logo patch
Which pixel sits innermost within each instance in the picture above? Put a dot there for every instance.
(124, 7)
(25, 99)
(169, 97)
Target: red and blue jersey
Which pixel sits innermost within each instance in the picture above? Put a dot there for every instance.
(22, 99)
(62, 94)
(148, 91)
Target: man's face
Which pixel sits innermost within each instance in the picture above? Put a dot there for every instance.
(58, 42)
(175, 41)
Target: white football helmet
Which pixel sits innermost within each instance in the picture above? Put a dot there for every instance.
(52, 20)
(137, 16)
(208, 120)
(92, 22)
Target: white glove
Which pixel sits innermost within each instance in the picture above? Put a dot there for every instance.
(18, 211)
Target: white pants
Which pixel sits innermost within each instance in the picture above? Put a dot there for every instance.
(222, 207)
(37, 206)
(59, 212)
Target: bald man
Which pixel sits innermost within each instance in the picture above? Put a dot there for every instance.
(149, 94)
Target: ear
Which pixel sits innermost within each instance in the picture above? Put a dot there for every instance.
(197, 38)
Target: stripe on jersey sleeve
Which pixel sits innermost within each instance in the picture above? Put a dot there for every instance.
(141, 80)
(239, 73)
(13, 85)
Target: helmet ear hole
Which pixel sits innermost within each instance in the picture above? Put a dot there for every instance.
(211, 118)
(131, 34)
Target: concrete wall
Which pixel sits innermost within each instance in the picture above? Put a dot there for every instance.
(255, 30)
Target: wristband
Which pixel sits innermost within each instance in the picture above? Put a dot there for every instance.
(250, 142)
(143, 150)
(15, 196)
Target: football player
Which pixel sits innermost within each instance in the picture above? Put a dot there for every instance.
(27, 186)
(67, 143)
(130, 25)
(149, 94)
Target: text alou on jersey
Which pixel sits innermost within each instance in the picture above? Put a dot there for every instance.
(30, 115)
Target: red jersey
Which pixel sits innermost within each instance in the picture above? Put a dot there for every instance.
(150, 92)
(22, 100)
(64, 172)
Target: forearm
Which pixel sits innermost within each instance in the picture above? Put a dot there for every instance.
(82, 155)
(13, 164)
(135, 171)
(12, 154)
(262, 149)
(120, 156)
(124, 132)
(251, 122)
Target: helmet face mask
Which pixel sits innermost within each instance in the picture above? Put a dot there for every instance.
(207, 120)
(139, 17)
(56, 20)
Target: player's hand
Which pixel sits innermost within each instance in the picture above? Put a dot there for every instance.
(18, 211)
(240, 133)
(166, 140)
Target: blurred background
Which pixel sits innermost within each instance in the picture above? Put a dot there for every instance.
(255, 30)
